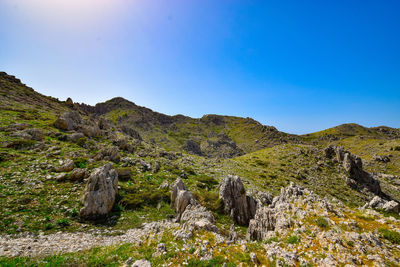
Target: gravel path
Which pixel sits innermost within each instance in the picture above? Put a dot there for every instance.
(34, 245)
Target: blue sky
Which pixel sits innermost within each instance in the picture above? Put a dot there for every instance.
(301, 66)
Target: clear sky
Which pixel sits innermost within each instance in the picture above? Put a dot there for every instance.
(301, 66)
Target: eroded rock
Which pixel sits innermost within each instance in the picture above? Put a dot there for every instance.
(100, 192)
(236, 203)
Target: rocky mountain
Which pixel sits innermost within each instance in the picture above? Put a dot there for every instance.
(119, 184)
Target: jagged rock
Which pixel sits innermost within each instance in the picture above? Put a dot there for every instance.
(110, 153)
(241, 207)
(66, 167)
(176, 186)
(196, 216)
(182, 200)
(35, 133)
(90, 130)
(100, 192)
(379, 203)
(69, 102)
(164, 185)
(18, 126)
(278, 217)
(144, 165)
(353, 166)
(192, 147)
(233, 236)
(78, 174)
(68, 121)
(141, 263)
(384, 159)
(131, 132)
(124, 145)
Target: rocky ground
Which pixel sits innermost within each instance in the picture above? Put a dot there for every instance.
(117, 184)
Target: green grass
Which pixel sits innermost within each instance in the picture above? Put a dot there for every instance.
(391, 235)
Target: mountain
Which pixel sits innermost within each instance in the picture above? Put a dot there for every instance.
(119, 184)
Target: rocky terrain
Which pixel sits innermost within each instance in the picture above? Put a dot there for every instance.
(121, 185)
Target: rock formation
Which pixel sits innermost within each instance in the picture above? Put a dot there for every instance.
(100, 192)
(236, 203)
(352, 164)
(379, 203)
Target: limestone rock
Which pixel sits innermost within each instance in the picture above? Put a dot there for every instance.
(192, 147)
(66, 167)
(379, 203)
(68, 121)
(241, 207)
(141, 263)
(110, 153)
(100, 192)
(78, 174)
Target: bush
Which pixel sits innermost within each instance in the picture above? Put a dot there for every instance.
(390, 235)
(204, 181)
(137, 196)
(48, 226)
(293, 239)
(63, 222)
(210, 200)
(322, 222)
(80, 162)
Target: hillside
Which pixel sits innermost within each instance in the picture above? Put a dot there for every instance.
(116, 183)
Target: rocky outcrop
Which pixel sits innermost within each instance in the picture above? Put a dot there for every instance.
(237, 204)
(279, 216)
(192, 147)
(110, 153)
(68, 121)
(141, 263)
(67, 166)
(379, 203)
(352, 164)
(181, 198)
(189, 211)
(78, 175)
(100, 192)
(72, 121)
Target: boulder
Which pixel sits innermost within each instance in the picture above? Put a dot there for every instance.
(68, 121)
(75, 137)
(196, 216)
(110, 153)
(379, 203)
(66, 167)
(124, 173)
(78, 175)
(241, 207)
(141, 263)
(100, 192)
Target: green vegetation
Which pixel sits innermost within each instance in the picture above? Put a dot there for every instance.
(391, 235)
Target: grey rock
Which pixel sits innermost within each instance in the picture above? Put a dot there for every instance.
(241, 207)
(141, 263)
(78, 174)
(66, 167)
(100, 192)
(68, 121)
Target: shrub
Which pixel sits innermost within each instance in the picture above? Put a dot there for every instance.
(293, 239)
(210, 200)
(80, 162)
(390, 235)
(139, 195)
(48, 226)
(63, 222)
(322, 222)
(204, 181)
(21, 144)
(397, 148)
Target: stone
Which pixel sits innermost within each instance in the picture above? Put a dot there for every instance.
(75, 137)
(379, 203)
(141, 263)
(110, 153)
(237, 204)
(176, 186)
(78, 175)
(66, 167)
(383, 159)
(253, 258)
(192, 147)
(100, 192)
(68, 121)
(61, 177)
